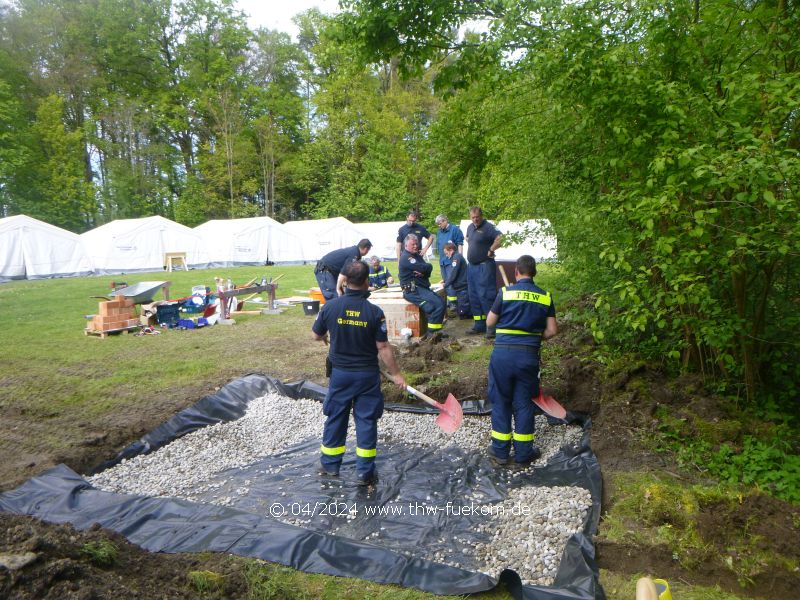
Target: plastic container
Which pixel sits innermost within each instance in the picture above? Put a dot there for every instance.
(316, 294)
(168, 314)
(311, 307)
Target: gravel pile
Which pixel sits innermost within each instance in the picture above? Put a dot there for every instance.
(529, 540)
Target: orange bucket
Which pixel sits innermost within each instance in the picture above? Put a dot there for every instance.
(316, 294)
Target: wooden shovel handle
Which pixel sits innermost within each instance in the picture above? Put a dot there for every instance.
(415, 392)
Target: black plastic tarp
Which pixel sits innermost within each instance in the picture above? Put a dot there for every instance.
(402, 541)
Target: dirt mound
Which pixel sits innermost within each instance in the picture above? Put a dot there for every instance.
(58, 561)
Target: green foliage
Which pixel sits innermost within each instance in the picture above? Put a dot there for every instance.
(103, 553)
(767, 460)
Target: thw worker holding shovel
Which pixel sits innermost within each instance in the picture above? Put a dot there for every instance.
(523, 314)
(358, 337)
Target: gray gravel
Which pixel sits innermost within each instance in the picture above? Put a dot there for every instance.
(526, 532)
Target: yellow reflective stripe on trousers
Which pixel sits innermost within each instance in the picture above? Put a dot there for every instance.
(364, 453)
(526, 296)
(518, 332)
(524, 437)
(479, 318)
(332, 451)
(435, 326)
(452, 298)
(503, 437)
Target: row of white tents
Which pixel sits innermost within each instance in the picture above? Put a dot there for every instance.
(32, 249)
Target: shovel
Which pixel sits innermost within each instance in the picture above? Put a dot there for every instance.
(450, 413)
(549, 405)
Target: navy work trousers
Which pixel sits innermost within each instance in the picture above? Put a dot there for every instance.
(327, 284)
(513, 382)
(429, 303)
(361, 391)
(481, 282)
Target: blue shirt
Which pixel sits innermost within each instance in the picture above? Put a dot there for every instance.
(417, 229)
(451, 233)
(523, 309)
(480, 240)
(335, 260)
(380, 278)
(355, 325)
(414, 262)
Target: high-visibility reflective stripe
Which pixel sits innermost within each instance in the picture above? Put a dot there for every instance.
(526, 296)
(524, 437)
(332, 451)
(479, 318)
(364, 453)
(435, 326)
(503, 437)
(519, 332)
(452, 297)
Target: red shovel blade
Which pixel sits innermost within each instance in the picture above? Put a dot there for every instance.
(450, 415)
(549, 405)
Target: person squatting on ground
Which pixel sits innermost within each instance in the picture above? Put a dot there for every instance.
(418, 229)
(483, 238)
(415, 281)
(379, 275)
(329, 268)
(456, 280)
(448, 233)
(523, 314)
(357, 338)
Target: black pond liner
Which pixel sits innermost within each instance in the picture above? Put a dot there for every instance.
(420, 477)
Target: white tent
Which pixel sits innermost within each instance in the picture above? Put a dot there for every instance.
(130, 245)
(321, 236)
(541, 244)
(383, 237)
(252, 241)
(33, 249)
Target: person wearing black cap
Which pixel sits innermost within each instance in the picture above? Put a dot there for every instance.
(329, 268)
(418, 229)
(358, 338)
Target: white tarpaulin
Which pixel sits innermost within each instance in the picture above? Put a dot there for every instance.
(129, 245)
(540, 243)
(33, 249)
(321, 236)
(252, 241)
(383, 237)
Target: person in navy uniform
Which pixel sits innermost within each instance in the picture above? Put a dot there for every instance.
(358, 338)
(524, 315)
(415, 281)
(379, 276)
(329, 268)
(456, 280)
(448, 233)
(483, 239)
(417, 229)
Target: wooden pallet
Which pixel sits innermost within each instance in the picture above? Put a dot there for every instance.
(103, 334)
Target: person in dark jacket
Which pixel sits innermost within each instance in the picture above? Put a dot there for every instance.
(329, 268)
(456, 280)
(357, 339)
(415, 281)
(418, 229)
(524, 315)
(483, 239)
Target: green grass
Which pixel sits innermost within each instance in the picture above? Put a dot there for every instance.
(103, 553)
